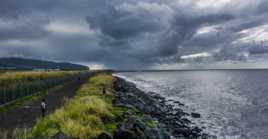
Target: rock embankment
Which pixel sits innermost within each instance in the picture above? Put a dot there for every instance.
(150, 116)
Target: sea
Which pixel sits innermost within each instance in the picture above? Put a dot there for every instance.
(233, 103)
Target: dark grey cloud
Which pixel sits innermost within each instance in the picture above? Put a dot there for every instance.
(262, 7)
(23, 28)
(15, 8)
(184, 27)
(135, 34)
(122, 25)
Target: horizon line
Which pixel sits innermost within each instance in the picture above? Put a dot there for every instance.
(143, 70)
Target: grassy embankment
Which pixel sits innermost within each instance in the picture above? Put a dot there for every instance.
(21, 86)
(85, 116)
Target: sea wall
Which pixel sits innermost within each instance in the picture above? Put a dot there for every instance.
(151, 116)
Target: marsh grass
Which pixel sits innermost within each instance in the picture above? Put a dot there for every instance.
(17, 133)
(86, 116)
(2, 72)
(15, 85)
(27, 100)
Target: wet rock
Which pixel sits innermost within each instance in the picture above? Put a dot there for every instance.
(61, 135)
(139, 125)
(206, 136)
(165, 135)
(185, 121)
(126, 134)
(178, 103)
(196, 132)
(104, 136)
(148, 117)
(195, 115)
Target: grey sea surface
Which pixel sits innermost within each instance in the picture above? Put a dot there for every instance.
(233, 103)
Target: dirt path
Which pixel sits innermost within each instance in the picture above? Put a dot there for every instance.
(26, 116)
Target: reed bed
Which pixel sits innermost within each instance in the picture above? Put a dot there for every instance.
(14, 85)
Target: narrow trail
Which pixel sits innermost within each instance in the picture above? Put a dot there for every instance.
(26, 116)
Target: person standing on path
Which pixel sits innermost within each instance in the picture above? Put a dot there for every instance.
(43, 107)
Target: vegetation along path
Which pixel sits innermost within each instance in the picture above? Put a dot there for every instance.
(25, 116)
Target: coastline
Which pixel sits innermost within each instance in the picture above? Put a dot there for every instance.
(149, 115)
(123, 111)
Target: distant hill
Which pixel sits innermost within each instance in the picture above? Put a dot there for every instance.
(32, 64)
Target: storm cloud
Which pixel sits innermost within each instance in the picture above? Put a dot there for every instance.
(140, 34)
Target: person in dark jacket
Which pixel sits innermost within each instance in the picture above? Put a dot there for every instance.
(43, 107)
(103, 89)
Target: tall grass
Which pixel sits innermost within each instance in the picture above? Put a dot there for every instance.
(14, 85)
(86, 116)
(2, 72)
(17, 133)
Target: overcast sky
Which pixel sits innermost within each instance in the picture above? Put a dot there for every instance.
(138, 34)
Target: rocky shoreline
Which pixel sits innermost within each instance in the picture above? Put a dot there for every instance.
(151, 116)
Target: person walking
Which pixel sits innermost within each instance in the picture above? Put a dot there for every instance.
(103, 89)
(43, 107)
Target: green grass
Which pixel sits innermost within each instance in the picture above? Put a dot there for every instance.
(138, 113)
(152, 123)
(86, 116)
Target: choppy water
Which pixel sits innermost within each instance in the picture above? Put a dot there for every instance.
(233, 103)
